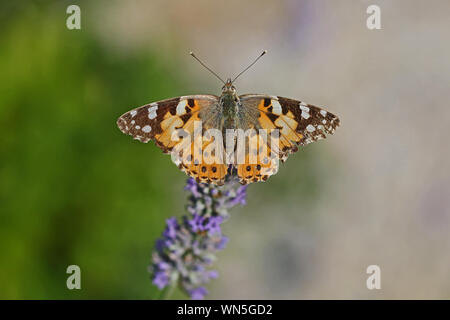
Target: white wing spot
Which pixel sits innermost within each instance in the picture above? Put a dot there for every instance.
(276, 107)
(303, 107)
(181, 107)
(320, 127)
(310, 128)
(305, 115)
(133, 113)
(324, 121)
(152, 111)
(133, 122)
(138, 127)
(323, 113)
(147, 129)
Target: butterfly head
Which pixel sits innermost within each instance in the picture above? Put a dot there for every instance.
(228, 87)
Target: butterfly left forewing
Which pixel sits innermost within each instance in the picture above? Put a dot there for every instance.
(158, 120)
(162, 121)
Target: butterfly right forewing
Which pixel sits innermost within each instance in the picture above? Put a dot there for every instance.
(298, 123)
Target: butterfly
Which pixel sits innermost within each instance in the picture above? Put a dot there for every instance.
(195, 129)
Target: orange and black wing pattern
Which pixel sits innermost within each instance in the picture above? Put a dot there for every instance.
(171, 124)
(296, 123)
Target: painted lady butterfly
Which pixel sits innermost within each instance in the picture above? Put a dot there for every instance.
(165, 122)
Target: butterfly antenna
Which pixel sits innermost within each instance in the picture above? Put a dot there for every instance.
(263, 53)
(195, 57)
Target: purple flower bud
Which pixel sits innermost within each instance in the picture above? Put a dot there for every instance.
(160, 280)
(213, 225)
(171, 230)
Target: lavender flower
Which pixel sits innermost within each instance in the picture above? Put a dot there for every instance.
(187, 248)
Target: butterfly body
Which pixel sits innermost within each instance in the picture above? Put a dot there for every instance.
(229, 106)
(198, 117)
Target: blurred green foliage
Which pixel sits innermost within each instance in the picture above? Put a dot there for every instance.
(73, 188)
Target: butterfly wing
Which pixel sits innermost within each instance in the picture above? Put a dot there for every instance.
(162, 121)
(298, 123)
